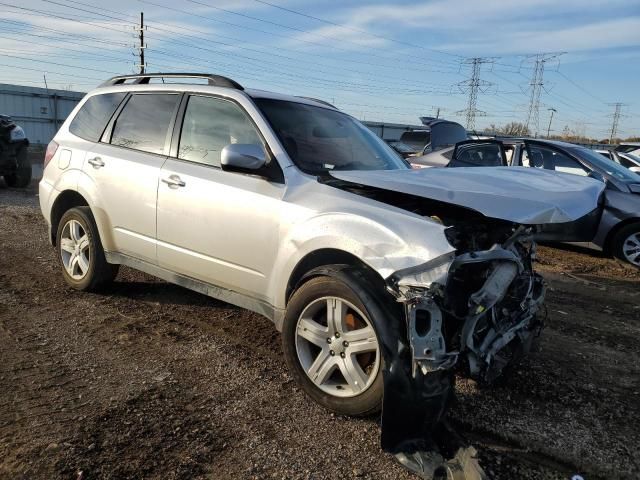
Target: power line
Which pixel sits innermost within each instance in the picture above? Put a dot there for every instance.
(413, 61)
(353, 29)
(580, 87)
(235, 45)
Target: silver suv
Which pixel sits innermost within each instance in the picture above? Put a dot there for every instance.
(380, 277)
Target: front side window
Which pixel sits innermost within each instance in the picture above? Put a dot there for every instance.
(543, 157)
(144, 122)
(209, 125)
(320, 139)
(93, 116)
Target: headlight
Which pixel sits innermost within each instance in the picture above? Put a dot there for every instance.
(435, 270)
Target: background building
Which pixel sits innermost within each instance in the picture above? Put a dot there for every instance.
(40, 111)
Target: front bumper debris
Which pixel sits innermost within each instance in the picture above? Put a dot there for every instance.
(490, 330)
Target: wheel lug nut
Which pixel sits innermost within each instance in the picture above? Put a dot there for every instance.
(337, 334)
(345, 343)
(328, 340)
(332, 353)
(342, 354)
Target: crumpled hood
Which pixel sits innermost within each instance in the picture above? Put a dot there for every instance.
(518, 194)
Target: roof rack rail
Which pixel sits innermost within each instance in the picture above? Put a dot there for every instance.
(320, 101)
(144, 78)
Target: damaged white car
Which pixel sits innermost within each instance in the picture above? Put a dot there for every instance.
(382, 279)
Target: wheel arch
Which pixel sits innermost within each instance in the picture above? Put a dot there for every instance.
(65, 201)
(608, 244)
(309, 267)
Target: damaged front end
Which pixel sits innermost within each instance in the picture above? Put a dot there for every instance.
(476, 311)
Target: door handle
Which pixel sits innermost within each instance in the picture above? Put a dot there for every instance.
(174, 181)
(96, 162)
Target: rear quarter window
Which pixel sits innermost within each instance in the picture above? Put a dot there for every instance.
(93, 116)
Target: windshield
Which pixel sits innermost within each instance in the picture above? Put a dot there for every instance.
(319, 139)
(605, 165)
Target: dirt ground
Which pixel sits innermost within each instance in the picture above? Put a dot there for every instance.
(149, 380)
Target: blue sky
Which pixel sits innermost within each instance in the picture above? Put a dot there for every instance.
(388, 60)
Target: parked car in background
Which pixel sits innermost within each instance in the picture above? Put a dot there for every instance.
(618, 233)
(629, 147)
(14, 162)
(415, 140)
(627, 160)
(444, 133)
(439, 134)
(404, 150)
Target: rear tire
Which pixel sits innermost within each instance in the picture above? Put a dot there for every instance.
(21, 178)
(80, 252)
(361, 394)
(626, 244)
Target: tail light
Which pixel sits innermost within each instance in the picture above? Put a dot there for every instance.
(51, 151)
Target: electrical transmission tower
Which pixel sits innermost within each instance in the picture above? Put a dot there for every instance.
(472, 86)
(616, 119)
(536, 85)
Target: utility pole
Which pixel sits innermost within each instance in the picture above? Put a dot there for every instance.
(142, 65)
(552, 110)
(438, 113)
(536, 84)
(473, 85)
(616, 119)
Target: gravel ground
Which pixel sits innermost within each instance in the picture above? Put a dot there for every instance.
(149, 380)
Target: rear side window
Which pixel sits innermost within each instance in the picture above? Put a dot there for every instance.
(144, 122)
(93, 116)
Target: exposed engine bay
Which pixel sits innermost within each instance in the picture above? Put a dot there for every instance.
(474, 312)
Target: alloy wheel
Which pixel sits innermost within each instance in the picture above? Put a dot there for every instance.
(337, 347)
(74, 249)
(631, 249)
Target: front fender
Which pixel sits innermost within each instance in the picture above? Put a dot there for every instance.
(388, 244)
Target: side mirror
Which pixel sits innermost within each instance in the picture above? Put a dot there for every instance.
(239, 157)
(597, 176)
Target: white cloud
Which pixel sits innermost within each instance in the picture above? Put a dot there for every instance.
(472, 22)
(594, 36)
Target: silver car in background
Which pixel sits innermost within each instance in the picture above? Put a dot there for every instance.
(382, 279)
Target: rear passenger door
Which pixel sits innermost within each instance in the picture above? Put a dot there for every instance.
(217, 226)
(125, 168)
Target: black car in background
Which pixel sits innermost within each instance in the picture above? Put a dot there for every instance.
(618, 230)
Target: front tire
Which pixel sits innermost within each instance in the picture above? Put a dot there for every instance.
(80, 252)
(626, 244)
(331, 345)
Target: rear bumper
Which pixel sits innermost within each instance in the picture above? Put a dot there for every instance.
(47, 195)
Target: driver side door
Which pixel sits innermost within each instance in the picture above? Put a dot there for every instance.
(216, 226)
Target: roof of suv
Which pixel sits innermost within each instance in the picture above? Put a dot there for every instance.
(214, 83)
